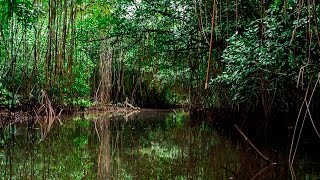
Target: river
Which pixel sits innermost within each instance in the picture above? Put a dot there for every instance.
(142, 145)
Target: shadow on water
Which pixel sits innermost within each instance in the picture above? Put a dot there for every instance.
(145, 145)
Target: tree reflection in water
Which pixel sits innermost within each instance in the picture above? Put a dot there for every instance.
(149, 145)
(104, 158)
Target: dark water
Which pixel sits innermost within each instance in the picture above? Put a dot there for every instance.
(146, 145)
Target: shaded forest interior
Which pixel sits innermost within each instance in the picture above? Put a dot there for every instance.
(242, 55)
(249, 64)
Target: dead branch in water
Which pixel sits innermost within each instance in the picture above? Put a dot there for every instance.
(252, 145)
(261, 171)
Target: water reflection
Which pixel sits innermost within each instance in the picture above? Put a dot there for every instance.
(104, 156)
(145, 145)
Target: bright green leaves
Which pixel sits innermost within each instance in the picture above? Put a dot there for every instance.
(262, 62)
(25, 11)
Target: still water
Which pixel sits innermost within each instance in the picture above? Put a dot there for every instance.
(142, 145)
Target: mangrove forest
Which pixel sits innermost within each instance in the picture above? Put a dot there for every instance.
(186, 88)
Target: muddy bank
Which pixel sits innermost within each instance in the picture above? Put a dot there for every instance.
(34, 114)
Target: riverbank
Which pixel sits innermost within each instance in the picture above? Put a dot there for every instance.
(19, 114)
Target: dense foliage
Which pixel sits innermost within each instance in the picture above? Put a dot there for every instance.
(262, 54)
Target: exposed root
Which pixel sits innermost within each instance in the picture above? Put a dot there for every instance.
(46, 115)
(130, 106)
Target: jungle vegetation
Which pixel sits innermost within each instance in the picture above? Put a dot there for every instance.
(254, 54)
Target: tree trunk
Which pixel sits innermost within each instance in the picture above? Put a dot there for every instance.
(105, 73)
